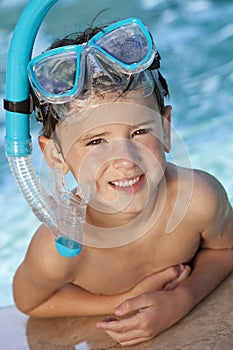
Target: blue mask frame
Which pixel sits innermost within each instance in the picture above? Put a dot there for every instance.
(100, 46)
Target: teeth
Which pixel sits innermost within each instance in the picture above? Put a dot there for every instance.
(126, 183)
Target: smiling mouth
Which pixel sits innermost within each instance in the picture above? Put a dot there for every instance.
(126, 183)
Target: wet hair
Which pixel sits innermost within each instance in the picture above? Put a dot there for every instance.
(48, 114)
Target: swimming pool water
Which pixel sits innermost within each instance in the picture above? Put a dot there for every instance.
(195, 40)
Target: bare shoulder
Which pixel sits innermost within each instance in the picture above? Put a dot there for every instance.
(215, 211)
(209, 209)
(210, 194)
(43, 257)
(205, 191)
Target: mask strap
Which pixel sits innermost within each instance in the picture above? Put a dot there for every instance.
(155, 74)
(156, 63)
(23, 107)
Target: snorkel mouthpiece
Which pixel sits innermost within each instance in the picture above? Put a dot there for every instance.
(18, 144)
(70, 214)
(67, 247)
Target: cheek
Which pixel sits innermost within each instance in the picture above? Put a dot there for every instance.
(154, 162)
(153, 150)
(86, 164)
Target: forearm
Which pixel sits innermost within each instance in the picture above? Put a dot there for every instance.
(58, 298)
(71, 300)
(209, 268)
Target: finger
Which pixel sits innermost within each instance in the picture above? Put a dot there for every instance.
(134, 341)
(183, 275)
(133, 304)
(165, 276)
(128, 338)
(120, 326)
(108, 319)
(158, 280)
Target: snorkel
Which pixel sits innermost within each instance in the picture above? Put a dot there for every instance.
(18, 143)
(63, 212)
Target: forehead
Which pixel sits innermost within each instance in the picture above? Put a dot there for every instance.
(80, 106)
(127, 112)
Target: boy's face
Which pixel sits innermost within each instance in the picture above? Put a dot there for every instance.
(117, 148)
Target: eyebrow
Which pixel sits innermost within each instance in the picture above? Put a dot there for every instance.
(90, 136)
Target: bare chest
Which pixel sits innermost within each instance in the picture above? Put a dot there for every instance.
(116, 270)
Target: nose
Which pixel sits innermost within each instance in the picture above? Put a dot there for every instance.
(126, 155)
(123, 163)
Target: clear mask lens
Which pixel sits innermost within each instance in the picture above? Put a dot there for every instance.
(127, 44)
(56, 74)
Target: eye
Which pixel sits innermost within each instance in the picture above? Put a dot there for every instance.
(96, 142)
(140, 132)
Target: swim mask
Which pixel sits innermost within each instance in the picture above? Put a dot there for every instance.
(110, 58)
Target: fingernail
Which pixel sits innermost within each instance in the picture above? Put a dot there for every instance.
(179, 268)
(167, 286)
(118, 312)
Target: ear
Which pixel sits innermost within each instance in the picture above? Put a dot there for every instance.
(167, 129)
(53, 156)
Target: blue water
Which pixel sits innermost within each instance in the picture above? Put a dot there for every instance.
(195, 40)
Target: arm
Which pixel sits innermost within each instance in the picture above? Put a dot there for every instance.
(215, 258)
(43, 283)
(72, 300)
(210, 267)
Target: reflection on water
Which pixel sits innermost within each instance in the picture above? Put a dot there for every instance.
(195, 40)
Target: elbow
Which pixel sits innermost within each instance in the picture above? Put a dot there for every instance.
(36, 311)
(22, 309)
(22, 301)
(31, 312)
(20, 304)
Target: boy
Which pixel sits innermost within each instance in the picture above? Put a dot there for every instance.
(149, 222)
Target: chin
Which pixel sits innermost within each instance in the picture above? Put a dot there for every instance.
(125, 204)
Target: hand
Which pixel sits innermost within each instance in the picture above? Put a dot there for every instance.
(148, 315)
(167, 279)
(151, 308)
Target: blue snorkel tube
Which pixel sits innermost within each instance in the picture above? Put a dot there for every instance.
(18, 139)
(18, 144)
